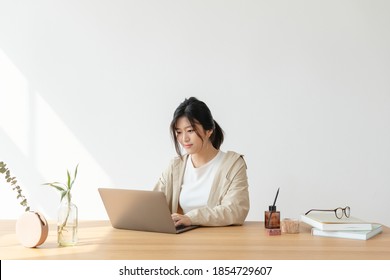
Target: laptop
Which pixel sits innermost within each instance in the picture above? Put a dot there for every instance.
(139, 210)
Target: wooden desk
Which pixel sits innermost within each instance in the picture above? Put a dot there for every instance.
(99, 241)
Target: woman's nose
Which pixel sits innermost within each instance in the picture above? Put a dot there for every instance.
(185, 137)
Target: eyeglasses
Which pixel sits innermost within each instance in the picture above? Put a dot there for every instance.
(339, 212)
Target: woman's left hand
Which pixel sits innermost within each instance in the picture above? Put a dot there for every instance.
(181, 220)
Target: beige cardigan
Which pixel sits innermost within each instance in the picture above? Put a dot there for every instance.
(228, 203)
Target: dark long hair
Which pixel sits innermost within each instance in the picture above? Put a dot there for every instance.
(197, 111)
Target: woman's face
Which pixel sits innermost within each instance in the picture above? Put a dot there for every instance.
(187, 137)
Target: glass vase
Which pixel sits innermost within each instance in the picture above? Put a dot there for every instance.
(67, 223)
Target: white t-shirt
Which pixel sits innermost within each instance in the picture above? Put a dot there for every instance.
(197, 183)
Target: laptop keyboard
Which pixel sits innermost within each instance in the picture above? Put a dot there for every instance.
(179, 227)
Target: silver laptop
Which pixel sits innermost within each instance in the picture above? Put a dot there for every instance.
(139, 210)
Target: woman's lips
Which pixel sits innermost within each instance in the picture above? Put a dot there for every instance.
(187, 146)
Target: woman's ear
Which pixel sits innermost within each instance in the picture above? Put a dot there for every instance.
(209, 132)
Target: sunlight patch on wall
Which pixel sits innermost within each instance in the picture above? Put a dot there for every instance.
(57, 148)
(47, 145)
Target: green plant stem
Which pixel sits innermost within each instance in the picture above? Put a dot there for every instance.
(63, 225)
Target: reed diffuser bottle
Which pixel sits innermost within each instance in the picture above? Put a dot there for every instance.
(272, 217)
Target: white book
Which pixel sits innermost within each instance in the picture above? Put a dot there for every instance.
(329, 221)
(350, 234)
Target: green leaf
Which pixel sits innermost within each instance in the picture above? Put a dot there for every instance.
(68, 186)
(53, 183)
(74, 178)
(56, 186)
(63, 194)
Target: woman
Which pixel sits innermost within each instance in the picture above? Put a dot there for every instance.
(205, 186)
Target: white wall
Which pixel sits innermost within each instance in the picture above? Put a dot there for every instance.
(300, 87)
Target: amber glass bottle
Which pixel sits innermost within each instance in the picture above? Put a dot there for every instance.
(272, 218)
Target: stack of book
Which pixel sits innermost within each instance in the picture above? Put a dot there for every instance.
(328, 225)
